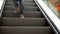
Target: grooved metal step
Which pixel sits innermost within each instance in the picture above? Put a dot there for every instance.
(29, 4)
(30, 8)
(9, 7)
(24, 21)
(27, 8)
(31, 14)
(25, 30)
(28, 0)
(9, 3)
(8, 0)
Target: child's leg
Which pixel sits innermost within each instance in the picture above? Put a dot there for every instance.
(21, 12)
(17, 7)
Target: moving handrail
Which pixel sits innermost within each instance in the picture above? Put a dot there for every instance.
(53, 20)
(2, 4)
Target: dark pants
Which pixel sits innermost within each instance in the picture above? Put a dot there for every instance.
(19, 3)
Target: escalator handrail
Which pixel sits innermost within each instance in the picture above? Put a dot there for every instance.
(55, 20)
(2, 4)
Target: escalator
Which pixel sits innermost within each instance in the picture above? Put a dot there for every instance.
(32, 23)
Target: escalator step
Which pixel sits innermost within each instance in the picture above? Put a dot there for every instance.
(30, 8)
(24, 30)
(28, 0)
(9, 3)
(9, 7)
(31, 14)
(8, 0)
(29, 4)
(24, 21)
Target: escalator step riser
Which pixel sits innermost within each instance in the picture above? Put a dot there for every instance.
(7, 7)
(28, 0)
(25, 21)
(9, 4)
(32, 14)
(25, 30)
(29, 8)
(26, 14)
(23, 3)
(8, 0)
(29, 4)
(9, 15)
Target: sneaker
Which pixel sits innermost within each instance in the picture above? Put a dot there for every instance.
(15, 11)
(21, 16)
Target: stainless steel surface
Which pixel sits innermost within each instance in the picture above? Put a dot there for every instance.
(2, 3)
(55, 20)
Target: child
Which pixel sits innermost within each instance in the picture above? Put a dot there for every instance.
(19, 6)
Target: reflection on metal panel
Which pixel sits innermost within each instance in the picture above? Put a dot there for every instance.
(50, 14)
(2, 3)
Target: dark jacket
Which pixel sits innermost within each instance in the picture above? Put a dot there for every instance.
(22, 5)
(14, 1)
